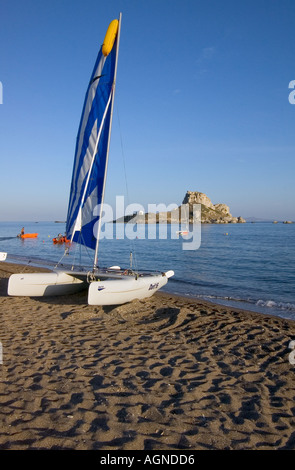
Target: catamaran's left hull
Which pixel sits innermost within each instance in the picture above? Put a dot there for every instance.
(44, 284)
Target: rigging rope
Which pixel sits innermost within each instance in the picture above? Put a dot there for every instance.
(132, 254)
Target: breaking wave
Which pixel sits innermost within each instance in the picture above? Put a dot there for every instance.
(280, 305)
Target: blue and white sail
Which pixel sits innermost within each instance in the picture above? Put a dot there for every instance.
(91, 154)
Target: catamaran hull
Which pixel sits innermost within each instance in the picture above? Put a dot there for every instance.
(121, 291)
(104, 292)
(44, 284)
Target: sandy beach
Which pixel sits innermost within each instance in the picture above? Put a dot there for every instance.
(166, 373)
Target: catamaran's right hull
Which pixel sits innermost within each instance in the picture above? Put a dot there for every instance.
(44, 284)
(121, 291)
(106, 291)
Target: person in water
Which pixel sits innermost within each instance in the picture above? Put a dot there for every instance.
(21, 232)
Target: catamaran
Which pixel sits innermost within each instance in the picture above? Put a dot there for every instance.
(106, 286)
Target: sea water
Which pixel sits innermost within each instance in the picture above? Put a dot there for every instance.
(250, 266)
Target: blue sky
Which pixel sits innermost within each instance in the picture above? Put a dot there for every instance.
(201, 102)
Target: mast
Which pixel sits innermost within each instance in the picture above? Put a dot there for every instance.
(108, 145)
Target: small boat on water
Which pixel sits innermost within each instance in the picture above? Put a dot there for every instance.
(182, 232)
(28, 235)
(60, 240)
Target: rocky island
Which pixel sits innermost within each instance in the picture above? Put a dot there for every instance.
(210, 213)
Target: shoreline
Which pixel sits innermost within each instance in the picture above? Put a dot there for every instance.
(204, 302)
(233, 304)
(227, 303)
(165, 373)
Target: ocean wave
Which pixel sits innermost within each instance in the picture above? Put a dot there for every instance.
(278, 305)
(267, 304)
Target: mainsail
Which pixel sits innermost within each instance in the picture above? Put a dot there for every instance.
(91, 154)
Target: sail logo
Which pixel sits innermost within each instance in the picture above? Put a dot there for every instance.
(292, 94)
(1, 93)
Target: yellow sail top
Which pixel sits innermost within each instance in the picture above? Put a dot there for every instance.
(110, 37)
